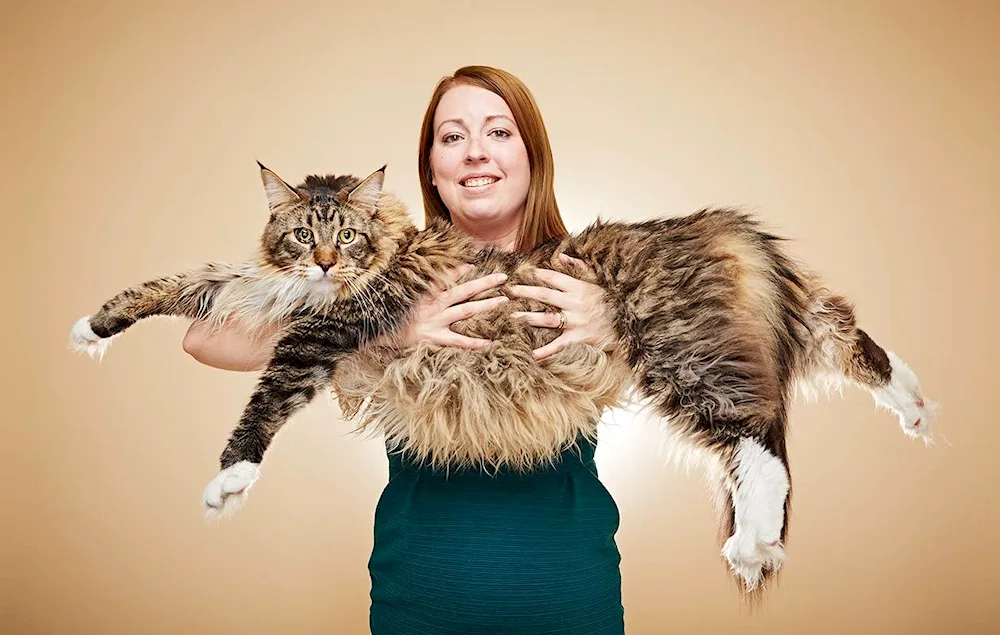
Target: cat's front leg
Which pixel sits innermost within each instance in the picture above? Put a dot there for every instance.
(189, 294)
(303, 363)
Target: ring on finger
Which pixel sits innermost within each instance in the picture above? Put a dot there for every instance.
(562, 320)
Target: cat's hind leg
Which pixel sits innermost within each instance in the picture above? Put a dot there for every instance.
(844, 353)
(759, 487)
(753, 488)
(900, 392)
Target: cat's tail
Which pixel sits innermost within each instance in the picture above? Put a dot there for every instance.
(839, 352)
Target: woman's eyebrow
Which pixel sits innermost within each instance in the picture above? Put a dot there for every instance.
(461, 121)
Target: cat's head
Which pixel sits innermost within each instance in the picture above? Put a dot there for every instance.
(333, 232)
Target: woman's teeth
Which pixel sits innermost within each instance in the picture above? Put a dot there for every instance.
(480, 182)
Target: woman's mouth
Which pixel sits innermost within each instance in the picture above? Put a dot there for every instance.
(478, 181)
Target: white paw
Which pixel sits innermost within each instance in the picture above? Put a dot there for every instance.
(904, 397)
(225, 494)
(84, 340)
(749, 557)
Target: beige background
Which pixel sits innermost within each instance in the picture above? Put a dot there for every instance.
(866, 131)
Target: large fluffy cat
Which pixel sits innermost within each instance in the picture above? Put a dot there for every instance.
(715, 328)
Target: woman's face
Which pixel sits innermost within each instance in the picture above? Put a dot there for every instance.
(478, 160)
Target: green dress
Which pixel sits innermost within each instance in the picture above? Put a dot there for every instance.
(511, 553)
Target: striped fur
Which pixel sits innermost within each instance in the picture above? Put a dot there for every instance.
(716, 328)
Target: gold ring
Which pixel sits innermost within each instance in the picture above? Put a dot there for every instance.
(562, 320)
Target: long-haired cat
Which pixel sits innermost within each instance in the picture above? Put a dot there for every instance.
(715, 328)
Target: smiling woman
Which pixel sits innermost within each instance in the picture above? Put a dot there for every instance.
(479, 164)
(468, 551)
(485, 162)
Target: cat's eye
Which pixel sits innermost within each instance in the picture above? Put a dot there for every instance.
(346, 236)
(303, 235)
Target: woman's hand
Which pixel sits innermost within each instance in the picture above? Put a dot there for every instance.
(582, 304)
(436, 312)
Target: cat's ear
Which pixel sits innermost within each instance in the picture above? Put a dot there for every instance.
(278, 192)
(365, 194)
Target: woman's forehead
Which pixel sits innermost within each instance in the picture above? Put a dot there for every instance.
(467, 105)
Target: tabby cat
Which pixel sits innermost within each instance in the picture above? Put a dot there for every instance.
(716, 326)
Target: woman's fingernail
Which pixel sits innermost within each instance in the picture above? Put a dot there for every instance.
(502, 277)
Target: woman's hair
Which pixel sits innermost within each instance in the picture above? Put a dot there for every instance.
(541, 219)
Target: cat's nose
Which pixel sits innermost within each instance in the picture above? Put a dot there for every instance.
(324, 265)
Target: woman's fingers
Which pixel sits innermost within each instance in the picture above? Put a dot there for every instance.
(552, 347)
(545, 295)
(465, 310)
(557, 280)
(466, 290)
(542, 319)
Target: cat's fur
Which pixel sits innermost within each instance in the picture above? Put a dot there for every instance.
(715, 325)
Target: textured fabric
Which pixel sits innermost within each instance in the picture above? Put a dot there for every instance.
(472, 553)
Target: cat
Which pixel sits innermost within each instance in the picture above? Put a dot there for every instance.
(715, 326)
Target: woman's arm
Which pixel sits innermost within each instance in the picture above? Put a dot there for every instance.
(229, 348)
(233, 349)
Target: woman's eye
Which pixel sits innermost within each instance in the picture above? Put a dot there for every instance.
(303, 235)
(346, 236)
(503, 133)
(448, 138)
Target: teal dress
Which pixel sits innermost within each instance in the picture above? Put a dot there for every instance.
(510, 553)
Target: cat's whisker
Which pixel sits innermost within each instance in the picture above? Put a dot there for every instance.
(373, 275)
(362, 295)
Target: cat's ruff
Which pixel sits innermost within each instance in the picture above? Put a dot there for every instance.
(716, 327)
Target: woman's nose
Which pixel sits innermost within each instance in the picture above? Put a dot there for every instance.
(476, 151)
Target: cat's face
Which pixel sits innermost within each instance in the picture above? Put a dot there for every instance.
(326, 232)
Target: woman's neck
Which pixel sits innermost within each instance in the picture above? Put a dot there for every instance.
(504, 239)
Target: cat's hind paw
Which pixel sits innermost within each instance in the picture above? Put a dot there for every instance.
(749, 558)
(84, 340)
(226, 493)
(904, 397)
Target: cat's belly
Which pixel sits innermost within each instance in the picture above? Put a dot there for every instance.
(498, 408)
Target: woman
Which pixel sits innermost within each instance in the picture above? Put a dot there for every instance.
(468, 552)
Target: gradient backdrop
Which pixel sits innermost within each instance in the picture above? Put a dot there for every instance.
(866, 131)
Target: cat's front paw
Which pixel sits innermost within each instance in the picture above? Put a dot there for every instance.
(84, 340)
(750, 557)
(225, 494)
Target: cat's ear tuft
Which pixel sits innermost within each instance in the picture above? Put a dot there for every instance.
(278, 192)
(366, 193)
